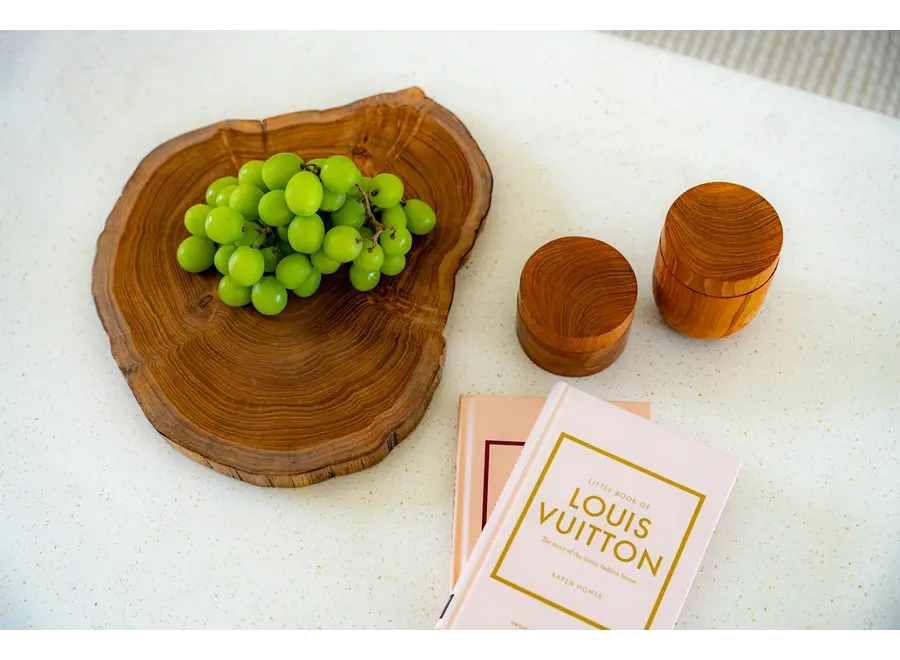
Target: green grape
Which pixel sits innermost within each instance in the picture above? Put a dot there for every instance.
(216, 187)
(363, 280)
(323, 263)
(420, 217)
(339, 174)
(393, 264)
(278, 170)
(233, 294)
(366, 232)
(282, 232)
(370, 261)
(285, 249)
(271, 257)
(196, 254)
(225, 195)
(251, 174)
(331, 201)
(394, 217)
(365, 184)
(341, 244)
(304, 193)
(388, 190)
(224, 225)
(273, 209)
(251, 235)
(195, 219)
(223, 254)
(306, 233)
(245, 200)
(352, 213)
(310, 284)
(400, 243)
(318, 162)
(246, 265)
(269, 296)
(293, 270)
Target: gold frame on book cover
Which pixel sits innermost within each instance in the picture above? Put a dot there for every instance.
(701, 498)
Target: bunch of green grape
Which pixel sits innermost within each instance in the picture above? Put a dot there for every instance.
(282, 224)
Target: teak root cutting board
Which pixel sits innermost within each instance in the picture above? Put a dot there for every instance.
(333, 383)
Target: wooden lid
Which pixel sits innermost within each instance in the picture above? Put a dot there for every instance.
(721, 239)
(577, 294)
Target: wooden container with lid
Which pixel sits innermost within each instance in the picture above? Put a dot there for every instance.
(575, 306)
(717, 255)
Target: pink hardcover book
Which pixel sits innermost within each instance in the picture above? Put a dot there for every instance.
(602, 523)
(492, 432)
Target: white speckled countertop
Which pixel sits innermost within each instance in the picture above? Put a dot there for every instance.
(102, 524)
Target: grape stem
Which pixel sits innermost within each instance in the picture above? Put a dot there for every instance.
(370, 217)
(262, 231)
(315, 169)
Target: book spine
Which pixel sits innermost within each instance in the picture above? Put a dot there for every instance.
(470, 572)
(464, 441)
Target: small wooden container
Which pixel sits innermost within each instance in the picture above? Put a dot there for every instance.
(717, 255)
(575, 306)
